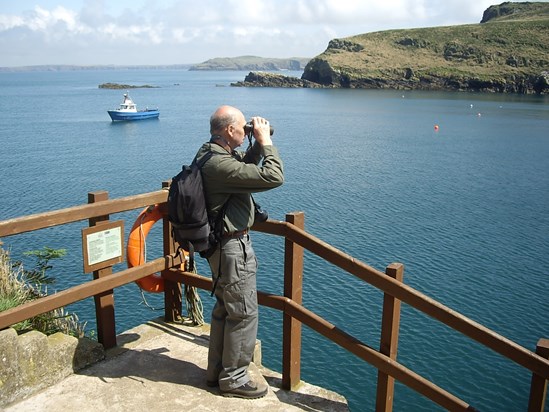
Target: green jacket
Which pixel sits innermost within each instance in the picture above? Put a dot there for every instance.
(238, 176)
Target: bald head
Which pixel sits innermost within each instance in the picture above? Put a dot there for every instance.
(223, 117)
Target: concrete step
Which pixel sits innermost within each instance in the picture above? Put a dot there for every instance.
(161, 366)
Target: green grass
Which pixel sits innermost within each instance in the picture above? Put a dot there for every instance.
(19, 286)
(473, 47)
(514, 46)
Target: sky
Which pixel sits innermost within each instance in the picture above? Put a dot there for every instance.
(165, 32)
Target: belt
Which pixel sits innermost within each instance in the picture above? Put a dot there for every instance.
(235, 235)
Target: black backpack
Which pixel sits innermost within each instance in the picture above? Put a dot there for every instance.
(188, 214)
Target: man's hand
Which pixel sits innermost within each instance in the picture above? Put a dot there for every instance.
(262, 131)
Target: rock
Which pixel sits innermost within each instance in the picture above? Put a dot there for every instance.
(513, 10)
(33, 355)
(86, 353)
(541, 84)
(266, 79)
(9, 365)
(33, 361)
(124, 86)
(341, 44)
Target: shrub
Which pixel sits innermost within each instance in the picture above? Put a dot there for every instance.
(18, 286)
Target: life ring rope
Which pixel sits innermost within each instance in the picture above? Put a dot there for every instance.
(143, 238)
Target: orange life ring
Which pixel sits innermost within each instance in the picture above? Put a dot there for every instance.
(135, 251)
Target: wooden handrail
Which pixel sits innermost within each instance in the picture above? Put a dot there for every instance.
(509, 349)
(293, 289)
(76, 293)
(538, 385)
(376, 359)
(74, 214)
(388, 345)
(104, 302)
(412, 297)
(343, 339)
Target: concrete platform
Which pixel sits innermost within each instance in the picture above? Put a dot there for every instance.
(161, 366)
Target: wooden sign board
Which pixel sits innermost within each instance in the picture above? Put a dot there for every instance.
(103, 245)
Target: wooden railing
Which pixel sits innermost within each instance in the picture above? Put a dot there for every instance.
(294, 313)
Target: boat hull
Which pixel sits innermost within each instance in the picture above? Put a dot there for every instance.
(117, 115)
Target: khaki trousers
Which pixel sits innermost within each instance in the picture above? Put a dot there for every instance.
(235, 314)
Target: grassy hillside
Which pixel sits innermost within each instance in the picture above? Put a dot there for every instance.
(252, 63)
(508, 53)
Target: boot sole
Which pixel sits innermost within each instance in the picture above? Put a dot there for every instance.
(244, 395)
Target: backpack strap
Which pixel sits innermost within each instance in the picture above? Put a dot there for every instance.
(218, 233)
(204, 159)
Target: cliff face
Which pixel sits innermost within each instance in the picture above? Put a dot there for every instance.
(511, 11)
(265, 79)
(509, 52)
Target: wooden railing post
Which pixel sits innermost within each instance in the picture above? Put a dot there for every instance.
(173, 295)
(538, 387)
(293, 289)
(104, 302)
(390, 324)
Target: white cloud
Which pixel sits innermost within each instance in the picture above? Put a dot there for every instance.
(8, 22)
(186, 31)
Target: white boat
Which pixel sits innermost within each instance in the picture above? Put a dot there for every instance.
(128, 111)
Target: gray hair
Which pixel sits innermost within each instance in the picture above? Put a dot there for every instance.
(220, 121)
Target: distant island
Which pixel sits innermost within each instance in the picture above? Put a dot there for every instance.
(70, 67)
(253, 63)
(507, 52)
(124, 86)
(216, 64)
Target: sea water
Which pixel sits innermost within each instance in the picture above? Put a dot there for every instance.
(464, 206)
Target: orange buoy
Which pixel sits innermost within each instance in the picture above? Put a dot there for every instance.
(135, 251)
(436, 127)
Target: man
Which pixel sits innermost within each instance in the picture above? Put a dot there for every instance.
(231, 177)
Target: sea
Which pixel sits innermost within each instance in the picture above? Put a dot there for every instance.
(454, 185)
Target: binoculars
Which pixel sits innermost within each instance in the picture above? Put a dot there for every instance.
(249, 128)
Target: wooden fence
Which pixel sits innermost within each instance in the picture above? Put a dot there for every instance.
(100, 208)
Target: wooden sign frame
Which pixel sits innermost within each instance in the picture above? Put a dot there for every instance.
(103, 245)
